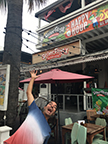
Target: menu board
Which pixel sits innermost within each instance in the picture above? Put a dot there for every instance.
(4, 86)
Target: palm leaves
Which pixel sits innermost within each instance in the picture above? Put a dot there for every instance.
(3, 4)
(31, 3)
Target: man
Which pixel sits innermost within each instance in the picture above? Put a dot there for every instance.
(35, 128)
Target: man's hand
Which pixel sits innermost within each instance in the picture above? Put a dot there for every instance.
(34, 74)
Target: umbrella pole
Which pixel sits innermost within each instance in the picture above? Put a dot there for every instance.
(59, 139)
(48, 91)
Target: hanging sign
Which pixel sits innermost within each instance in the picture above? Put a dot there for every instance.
(85, 22)
(100, 100)
(58, 53)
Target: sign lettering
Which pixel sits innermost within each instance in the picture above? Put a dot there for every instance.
(85, 22)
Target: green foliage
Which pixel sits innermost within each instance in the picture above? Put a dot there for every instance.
(31, 4)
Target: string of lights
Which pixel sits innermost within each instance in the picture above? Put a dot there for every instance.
(30, 41)
(29, 33)
(22, 40)
(28, 47)
(25, 30)
(51, 40)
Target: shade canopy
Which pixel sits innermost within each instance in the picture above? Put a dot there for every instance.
(58, 76)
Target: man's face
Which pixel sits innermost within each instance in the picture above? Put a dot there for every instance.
(50, 109)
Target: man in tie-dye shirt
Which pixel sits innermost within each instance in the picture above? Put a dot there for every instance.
(35, 128)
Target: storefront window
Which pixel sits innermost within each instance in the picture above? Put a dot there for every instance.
(60, 100)
(71, 103)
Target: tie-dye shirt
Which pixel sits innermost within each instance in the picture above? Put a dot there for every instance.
(34, 130)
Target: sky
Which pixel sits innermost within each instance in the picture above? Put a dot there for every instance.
(29, 23)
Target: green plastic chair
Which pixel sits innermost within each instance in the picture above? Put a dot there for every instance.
(70, 120)
(99, 142)
(98, 121)
(104, 123)
(74, 133)
(82, 135)
(66, 121)
(101, 122)
(67, 135)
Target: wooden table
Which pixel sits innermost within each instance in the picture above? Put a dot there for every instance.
(92, 130)
(100, 116)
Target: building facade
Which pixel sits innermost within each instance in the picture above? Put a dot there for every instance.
(76, 40)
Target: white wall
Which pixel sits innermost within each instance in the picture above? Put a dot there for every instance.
(21, 95)
(103, 74)
(45, 92)
(25, 89)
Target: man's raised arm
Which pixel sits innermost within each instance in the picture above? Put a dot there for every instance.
(30, 87)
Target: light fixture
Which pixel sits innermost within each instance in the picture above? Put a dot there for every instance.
(28, 33)
(43, 85)
(73, 46)
(96, 70)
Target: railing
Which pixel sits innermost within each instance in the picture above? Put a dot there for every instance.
(62, 104)
(84, 100)
(89, 101)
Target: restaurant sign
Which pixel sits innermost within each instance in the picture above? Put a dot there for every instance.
(100, 100)
(56, 53)
(85, 22)
(59, 52)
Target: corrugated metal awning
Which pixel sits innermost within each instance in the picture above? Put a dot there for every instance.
(77, 60)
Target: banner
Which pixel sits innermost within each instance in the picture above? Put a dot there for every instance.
(58, 53)
(85, 22)
(100, 100)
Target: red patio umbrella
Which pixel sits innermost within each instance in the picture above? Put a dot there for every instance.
(58, 76)
(20, 89)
